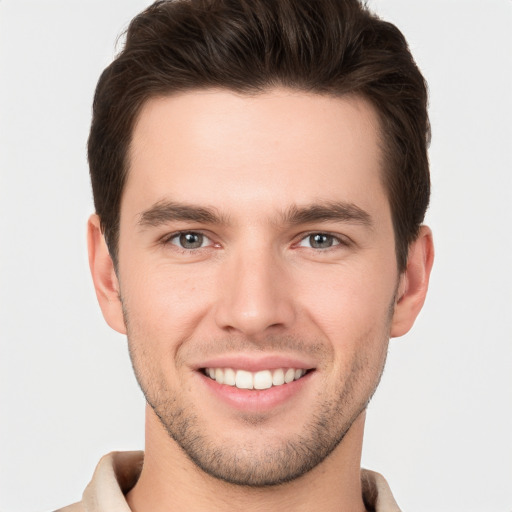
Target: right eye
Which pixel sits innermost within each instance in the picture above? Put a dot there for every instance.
(190, 240)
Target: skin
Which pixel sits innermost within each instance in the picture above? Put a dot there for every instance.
(257, 289)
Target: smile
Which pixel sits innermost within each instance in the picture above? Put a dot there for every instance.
(264, 379)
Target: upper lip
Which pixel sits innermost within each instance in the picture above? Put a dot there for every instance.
(256, 362)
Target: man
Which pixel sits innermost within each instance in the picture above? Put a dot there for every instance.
(260, 178)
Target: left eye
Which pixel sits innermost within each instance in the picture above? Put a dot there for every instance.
(319, 241)
(190, 240)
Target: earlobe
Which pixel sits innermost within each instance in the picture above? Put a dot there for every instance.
(104, 276)
(414, 281)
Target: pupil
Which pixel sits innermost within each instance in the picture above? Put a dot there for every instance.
(191, 240)
(320, 241)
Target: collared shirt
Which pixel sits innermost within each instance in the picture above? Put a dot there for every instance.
(117, 473)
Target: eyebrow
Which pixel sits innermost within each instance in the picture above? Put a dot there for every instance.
(168, 211)
(164, 211)
(331, 211)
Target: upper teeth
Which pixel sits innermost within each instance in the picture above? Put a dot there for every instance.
(264, 379)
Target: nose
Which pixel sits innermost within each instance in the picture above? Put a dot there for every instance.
(255, 295)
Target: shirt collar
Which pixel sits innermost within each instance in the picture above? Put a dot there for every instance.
(118, 472)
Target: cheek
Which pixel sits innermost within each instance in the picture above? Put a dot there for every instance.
(352, 311)
(344, 300)
(163, 301)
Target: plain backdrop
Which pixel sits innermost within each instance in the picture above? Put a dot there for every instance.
(440, 426)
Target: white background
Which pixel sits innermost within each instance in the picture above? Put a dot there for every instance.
(440, 426)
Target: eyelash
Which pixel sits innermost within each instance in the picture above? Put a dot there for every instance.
(168, 240)
(336, 239)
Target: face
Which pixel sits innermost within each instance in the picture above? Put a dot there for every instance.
(257, 273)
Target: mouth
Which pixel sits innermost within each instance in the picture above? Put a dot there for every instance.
(263, 379)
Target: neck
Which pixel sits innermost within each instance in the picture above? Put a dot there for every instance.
(169, 479)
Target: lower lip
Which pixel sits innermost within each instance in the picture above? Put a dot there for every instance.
(256, 400)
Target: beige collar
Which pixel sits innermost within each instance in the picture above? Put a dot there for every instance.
(118, 472)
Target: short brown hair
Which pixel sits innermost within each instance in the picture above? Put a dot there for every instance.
(331, 47)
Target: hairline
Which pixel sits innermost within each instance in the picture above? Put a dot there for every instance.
(383, 142)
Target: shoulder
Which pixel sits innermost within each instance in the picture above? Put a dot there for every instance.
(377, 495)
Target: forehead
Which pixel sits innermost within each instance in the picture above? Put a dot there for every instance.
(272, 149)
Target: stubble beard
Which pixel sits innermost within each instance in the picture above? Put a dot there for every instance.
(256, 463)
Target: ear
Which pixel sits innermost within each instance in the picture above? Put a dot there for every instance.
(413, 286)
(104, 276)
